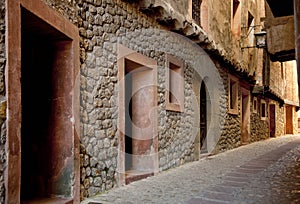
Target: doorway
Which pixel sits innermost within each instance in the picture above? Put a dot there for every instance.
(288, 119)
(245, 116)
(138, 145)
(47, 140)
(272, 112)
(43, 105)
(203, 118)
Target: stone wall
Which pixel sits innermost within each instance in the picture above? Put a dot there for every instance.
(104, 24)
(2, 102)
(66, 8)
(259, 128)
(231, 128)
(280, 115)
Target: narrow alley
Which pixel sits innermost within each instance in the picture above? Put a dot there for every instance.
(262, 172)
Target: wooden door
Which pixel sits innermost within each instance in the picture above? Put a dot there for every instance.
(203, 119)
(272, 120)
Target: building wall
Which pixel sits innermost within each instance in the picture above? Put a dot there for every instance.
(277, 78)
(259, 127)
(277, 29)
(280, 115)
(102, 26)
(291, 85)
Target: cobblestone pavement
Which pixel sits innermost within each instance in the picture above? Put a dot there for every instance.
(261, 172)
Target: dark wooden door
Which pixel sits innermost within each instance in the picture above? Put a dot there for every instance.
(203, 119)
(272, 120)
(289, 119)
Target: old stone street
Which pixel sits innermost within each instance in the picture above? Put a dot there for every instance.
(262, 172)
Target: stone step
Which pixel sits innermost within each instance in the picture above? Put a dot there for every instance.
(48, 201)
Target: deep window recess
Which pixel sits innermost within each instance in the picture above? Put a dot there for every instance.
(263, 110)
(196, 6)
(233, 95)
(236, 17)
(175, 83)
(255, 105)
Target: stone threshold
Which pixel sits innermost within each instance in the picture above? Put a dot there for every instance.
(135, 175)
(48, 201)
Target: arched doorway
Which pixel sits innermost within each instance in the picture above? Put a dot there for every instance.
(203, 118)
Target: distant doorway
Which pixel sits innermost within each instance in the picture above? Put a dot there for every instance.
(245, 116)
(203, 118)
(272, 113)
(288, 119)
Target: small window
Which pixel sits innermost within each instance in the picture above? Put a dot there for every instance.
(254, 105)
(263, 110)
(196, 6)
(250, 32)
(236, 17)
(235, 6)
(174, 84)
(233, 94)
(250, 20)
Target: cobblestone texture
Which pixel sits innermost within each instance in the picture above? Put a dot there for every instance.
(261, 172)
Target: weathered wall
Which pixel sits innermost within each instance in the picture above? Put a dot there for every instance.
(280, 114)
(104, 23)
(259, 128)
(291, 86)
(2, 101)
(231, 128)
(102, 26)
(277, 29)
(277, 78)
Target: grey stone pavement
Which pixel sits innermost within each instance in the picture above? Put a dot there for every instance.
(261, 172)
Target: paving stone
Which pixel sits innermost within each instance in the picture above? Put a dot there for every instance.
(219, 179)
(203, 201)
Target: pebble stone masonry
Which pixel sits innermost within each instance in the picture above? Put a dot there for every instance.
(103, 24)
(2, 101)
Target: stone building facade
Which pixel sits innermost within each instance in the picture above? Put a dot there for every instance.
(131, 88)
(281, 73)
